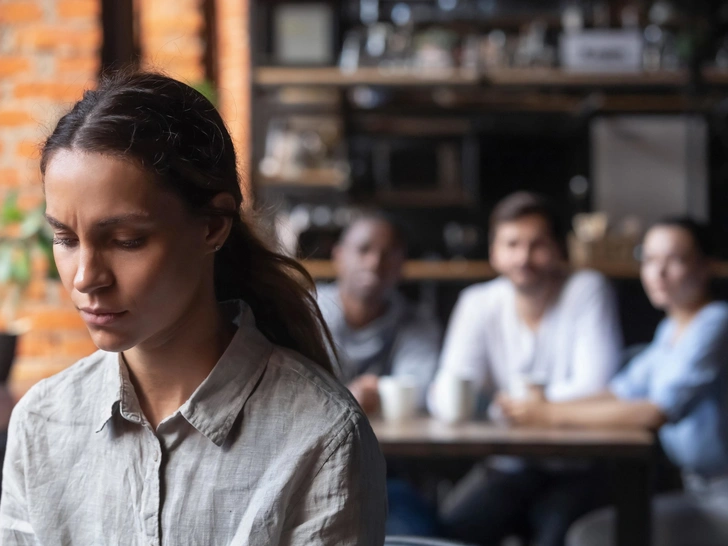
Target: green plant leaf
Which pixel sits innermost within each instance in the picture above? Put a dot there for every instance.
(6, 262)
(33, 223)
(10, 212)
(21, 266)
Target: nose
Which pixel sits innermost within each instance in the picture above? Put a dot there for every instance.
(522, 255)
(92, 273)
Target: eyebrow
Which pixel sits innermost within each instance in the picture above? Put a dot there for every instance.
(106, 222)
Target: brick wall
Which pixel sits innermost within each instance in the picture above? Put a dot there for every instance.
(50, 52)
(170, 33)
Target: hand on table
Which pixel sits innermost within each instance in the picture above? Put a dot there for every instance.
(533, 411)
(365, 389)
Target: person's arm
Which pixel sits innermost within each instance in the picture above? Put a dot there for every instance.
(15, 525)
(464, 351)
(416, 353)
(597, 342)
(601, 411)
(365, 390)
(345, 502)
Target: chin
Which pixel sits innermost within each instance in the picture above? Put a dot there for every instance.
(660, 302)
(111, 343)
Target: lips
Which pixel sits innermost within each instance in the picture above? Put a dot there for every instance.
(100, 316)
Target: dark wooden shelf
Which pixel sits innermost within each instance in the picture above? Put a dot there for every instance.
(540, 77)
(332, 76)
(480, 270)
(547, 77)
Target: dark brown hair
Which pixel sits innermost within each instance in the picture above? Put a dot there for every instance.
(701, 234)
(178, 136)
(521, 204)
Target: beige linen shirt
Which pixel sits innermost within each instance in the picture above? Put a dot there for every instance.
(269, 450)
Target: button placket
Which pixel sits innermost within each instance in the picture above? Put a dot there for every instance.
(152, 488)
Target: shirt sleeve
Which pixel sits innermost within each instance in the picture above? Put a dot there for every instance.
(695, 366)
(345, 504)
(633, 382)
(416, 352)
(464, 350)
(15, 526)
(597, 343)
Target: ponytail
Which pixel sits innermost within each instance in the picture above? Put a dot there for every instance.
(278, 290)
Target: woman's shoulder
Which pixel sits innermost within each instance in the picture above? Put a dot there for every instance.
(717, 311)
(311, 392)
(68, 391)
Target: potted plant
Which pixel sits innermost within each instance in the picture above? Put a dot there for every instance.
(24, 235)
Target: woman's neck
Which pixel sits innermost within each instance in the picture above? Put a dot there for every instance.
(683, 315)
(166, 372)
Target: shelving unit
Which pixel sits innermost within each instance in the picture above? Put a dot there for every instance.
(480, 270)
(538, 77)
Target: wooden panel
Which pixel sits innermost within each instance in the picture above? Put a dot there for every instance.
(425, 437)
(274, 76)
(478, 270)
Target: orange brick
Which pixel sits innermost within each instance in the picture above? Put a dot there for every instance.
(31, 199)
(53, 91)
(29, 149)
(9, 178)
(172, 26)
(56, 319)
(14, 118)
(78, 348)
(83, 65)
(10, 65)
(45, 37)
(88, 9)
(35, 291)
(20, 12)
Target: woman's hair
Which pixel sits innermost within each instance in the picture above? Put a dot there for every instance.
(521, 204)
(173, 132)
(700, 233)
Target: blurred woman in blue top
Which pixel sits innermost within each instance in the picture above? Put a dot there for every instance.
(678, 385)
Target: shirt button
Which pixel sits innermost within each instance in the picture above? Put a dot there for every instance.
(156, 457)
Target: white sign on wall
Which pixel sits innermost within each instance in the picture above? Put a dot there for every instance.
(602, 51)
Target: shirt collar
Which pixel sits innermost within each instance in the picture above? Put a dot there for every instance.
(216, 403)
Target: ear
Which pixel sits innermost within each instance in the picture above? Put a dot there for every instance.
(218, 227)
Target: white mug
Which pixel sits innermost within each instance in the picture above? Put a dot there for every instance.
(398, 398)
(522, 387)
(455, 398)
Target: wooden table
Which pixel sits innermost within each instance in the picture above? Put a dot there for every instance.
(630, 450)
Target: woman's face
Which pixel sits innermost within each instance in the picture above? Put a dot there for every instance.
(131, 256)
(674, 272)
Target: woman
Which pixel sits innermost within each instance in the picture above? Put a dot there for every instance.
(678, 385)
(198, 422)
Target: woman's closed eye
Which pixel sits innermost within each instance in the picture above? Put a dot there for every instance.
(61, 240)
(130, 244)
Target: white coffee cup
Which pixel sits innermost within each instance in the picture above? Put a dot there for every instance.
(455, 398)
(398, 398)
(523, 387)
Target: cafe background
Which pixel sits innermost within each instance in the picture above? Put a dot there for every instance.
(430, 109)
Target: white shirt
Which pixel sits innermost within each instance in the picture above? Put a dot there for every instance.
(270, 450)
(573, 353)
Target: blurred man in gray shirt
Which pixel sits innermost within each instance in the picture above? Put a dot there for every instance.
(376, 331)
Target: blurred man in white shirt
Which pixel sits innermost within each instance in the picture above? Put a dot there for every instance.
(538, 330)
